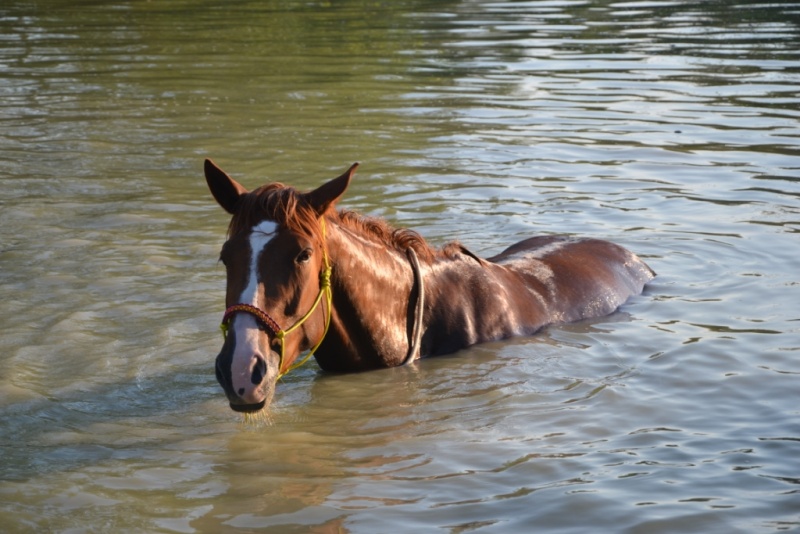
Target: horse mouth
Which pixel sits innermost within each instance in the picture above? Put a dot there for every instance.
(248, 408)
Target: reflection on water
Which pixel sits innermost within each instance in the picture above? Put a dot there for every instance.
(669, 127)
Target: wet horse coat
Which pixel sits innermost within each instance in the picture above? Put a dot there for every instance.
(287, 249)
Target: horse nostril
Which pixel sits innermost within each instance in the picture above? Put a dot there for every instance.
(259, 371)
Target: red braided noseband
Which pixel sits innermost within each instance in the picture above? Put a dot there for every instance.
(260, 315)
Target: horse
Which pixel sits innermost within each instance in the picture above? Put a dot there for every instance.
(306, 277)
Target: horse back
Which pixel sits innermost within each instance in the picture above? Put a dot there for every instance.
(574, 278)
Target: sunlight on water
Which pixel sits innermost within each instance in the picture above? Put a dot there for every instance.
(668, 127)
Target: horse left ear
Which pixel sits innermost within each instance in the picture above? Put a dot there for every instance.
(327, 195)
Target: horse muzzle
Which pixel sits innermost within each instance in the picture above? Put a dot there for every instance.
(247, 377)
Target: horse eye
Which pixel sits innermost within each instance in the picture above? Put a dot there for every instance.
(304, 256)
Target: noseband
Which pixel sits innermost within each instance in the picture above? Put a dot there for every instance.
(267, 322)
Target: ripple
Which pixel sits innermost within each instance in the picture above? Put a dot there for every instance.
(667, 126)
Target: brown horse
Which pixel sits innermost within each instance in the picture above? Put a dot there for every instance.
(361, 295)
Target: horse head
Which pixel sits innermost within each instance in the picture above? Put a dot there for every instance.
(278, 295)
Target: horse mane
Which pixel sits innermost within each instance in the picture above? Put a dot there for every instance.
(399, 239)
(288, 207)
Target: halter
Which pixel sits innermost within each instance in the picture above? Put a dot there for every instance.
(271, 324)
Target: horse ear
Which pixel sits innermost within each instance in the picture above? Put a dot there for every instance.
(225, 189)
(327, 195)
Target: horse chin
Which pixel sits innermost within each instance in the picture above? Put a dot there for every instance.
(249, 408)
(252, 408)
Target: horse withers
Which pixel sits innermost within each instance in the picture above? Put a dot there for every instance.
(304, 277)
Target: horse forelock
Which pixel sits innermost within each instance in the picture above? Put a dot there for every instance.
(279, 203)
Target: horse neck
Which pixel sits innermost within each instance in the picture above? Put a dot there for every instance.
(372, 285)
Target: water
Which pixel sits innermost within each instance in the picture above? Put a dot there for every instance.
(669, 127)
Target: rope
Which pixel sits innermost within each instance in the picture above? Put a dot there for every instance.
(325, 288)
(416, 332)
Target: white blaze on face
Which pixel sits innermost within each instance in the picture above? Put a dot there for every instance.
(260, 236)
(247, 349)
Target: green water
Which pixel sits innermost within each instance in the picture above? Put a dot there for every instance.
(668, 127)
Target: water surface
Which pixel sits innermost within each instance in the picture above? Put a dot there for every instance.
(668, 127)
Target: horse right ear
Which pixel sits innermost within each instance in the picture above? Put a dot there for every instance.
(225, 189)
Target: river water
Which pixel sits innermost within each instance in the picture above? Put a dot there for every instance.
(670, 127)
